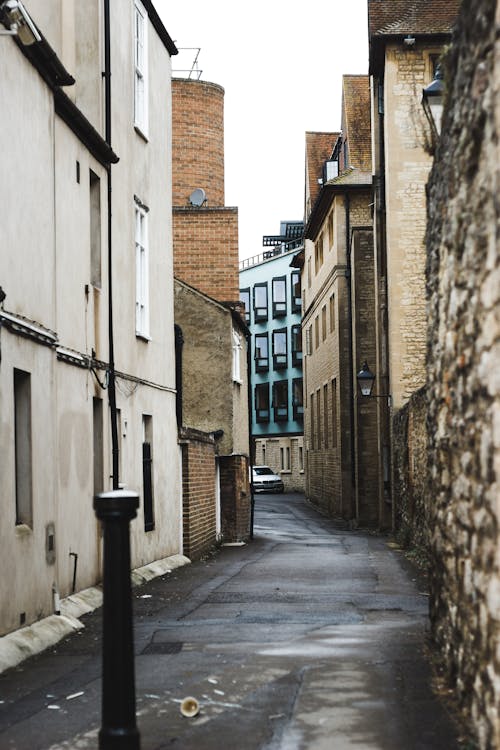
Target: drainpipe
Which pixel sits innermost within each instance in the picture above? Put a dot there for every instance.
(385, 411)
(251, 449)
(111, 366)
(179, 342)
(347, 207)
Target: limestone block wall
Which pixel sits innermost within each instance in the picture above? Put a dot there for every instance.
(463, 277)
(407, 71)
(273, 452)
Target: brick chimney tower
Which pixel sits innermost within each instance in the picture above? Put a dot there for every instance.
(205, 230)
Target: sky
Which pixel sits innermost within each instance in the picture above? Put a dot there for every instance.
(281, 64)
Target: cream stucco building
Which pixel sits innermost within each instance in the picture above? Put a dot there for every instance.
(85, 179)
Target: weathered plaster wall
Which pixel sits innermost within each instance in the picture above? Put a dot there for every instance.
(463, 277)
(46, 276)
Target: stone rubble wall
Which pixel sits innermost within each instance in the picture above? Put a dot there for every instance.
(410, 464)
(463, 279)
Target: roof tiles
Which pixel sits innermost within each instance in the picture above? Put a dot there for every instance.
(388, 17)
(319, 147)
(356, 120)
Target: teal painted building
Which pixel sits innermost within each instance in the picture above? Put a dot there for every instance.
(270, 290)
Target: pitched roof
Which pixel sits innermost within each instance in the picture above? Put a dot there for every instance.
(388, 17)
(319, 147)
(356, 121)
(352, 176)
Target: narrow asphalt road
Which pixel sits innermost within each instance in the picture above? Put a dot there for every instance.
(309, 637)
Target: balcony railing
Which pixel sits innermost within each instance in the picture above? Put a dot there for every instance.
(281, 249)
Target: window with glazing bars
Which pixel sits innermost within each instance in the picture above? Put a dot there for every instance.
(279, 297)
(141, 67)
(296, 292)
(297, 398)
(262, 402)
(245, 298)
(261, 352)
(279, 349)
(260, 302)
(280, 400)
(296, 333)
(141, 272)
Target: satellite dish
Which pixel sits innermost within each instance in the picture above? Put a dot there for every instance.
(197, 197)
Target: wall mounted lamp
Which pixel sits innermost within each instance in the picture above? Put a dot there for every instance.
(14, 15)
(366, 379)
(432, 102)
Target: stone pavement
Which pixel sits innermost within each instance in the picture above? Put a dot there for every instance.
(310, 637)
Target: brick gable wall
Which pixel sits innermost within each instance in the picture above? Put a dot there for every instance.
(206, 250)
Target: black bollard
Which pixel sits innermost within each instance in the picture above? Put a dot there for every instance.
(118, 730)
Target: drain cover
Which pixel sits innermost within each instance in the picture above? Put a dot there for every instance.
(168, 647)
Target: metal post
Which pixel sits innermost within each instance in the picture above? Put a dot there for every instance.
(118, 731)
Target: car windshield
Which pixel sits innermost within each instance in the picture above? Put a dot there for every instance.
(259, 470)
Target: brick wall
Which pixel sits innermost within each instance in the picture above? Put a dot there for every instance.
(329, 470)
(198, 492)
(369, 511)
(197, 141)
(234, 498)
(463, 274)
(328, 453)
(206, 250)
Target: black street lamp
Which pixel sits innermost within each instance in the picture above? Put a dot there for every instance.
(432, 102)
(366, 379)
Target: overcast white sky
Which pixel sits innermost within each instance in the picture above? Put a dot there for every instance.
(281, 64)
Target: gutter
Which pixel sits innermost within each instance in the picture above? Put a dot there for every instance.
(73, 117)
(347, 205)
(323, 203)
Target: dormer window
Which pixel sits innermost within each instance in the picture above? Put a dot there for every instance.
(330, 170)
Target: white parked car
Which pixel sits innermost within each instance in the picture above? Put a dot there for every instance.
(265, 480)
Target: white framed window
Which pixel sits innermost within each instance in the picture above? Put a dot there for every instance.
(236, 357)
(141, 272)
(140, 67)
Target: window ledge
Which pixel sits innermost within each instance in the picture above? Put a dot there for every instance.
(22, 529)
(285, 471)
